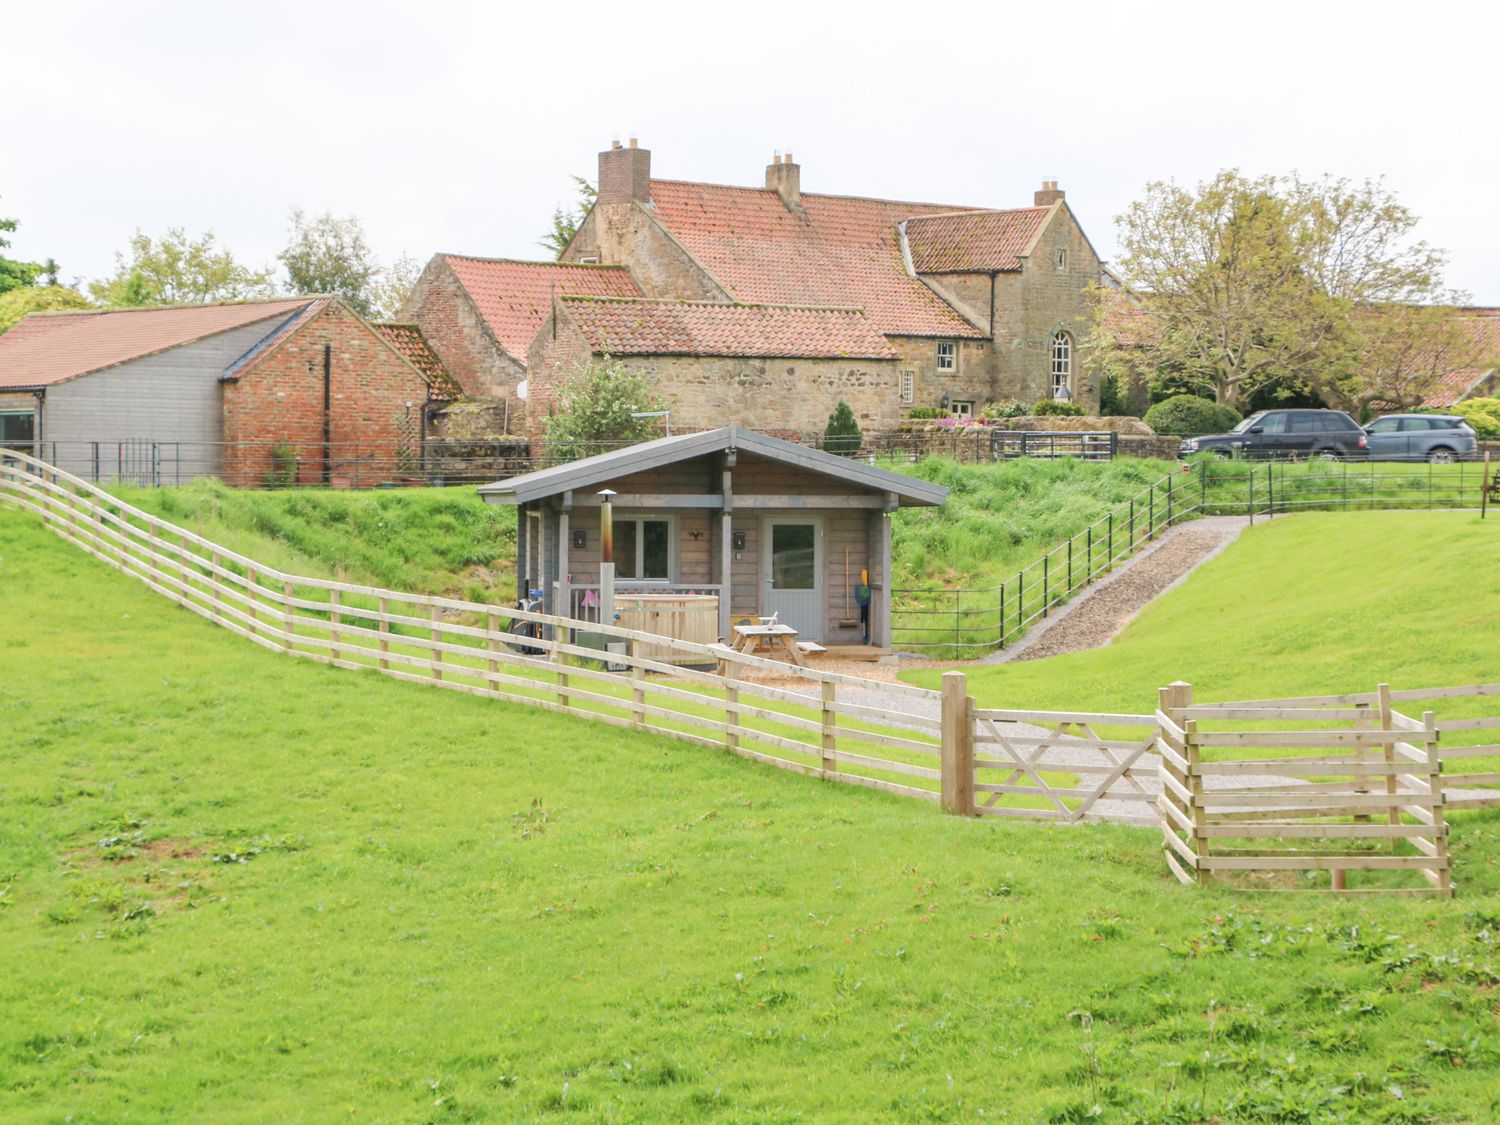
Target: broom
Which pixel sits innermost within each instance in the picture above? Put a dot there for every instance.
(849, 620)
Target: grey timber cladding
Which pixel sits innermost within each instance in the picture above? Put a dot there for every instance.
(173, 397)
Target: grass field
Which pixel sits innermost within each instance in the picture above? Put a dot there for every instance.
(424, 540)
(239, 887)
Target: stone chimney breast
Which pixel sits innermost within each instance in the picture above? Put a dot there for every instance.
(1049, 194)
(625, 174)
(784, 177)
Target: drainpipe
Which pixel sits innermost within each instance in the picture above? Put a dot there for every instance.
(327, 412)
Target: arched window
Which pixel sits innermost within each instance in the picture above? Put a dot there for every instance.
(1062, 365)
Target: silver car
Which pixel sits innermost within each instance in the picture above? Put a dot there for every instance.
(1439, 438)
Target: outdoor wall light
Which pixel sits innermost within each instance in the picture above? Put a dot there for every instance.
(739, 540)
(580, 540)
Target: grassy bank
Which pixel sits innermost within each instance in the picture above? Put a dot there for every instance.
(425, 540)
(236, 886)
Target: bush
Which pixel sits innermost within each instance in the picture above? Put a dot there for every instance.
(996, 411)
(1058, 409)
(925, 413)
(595, 407)
(1483, 414)
(843, 435)
(1189, 414)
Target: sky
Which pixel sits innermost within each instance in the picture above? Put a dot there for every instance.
(454, 127)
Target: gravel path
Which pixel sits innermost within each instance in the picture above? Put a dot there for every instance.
(1097, 616)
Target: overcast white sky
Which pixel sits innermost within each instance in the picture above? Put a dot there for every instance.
(453, 127)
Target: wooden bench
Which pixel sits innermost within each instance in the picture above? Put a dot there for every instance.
(810, 648)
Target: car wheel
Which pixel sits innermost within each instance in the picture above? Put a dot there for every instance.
(1441, 456)
(1222, 454)
(1328, 455)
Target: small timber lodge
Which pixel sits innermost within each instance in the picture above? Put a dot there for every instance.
(729, 524)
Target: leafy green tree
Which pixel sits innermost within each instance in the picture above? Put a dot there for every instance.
(567, 220)
(594, 408)
(38, 298)
(178, 270)
(843, 435)
(330, 256)
(1247, 282)
(14, 274)
(394, 286)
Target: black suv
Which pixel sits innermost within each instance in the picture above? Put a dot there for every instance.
(1286, 433)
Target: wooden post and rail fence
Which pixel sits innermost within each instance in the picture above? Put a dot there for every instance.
(1364, 776)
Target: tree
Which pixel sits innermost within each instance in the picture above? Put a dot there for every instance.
(38, 298)
(178, 270)
(14, 274)
(1251, 282)
(329, 255)
(843, 434)
(394, 286)
(594, 409)
(1396, 354)
(567, 220)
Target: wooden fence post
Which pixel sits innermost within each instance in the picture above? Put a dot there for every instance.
(385, 635)
(333, 624)
(830, 760)
(731, 702)
(1174, 700)
(637, 685)
(958, 745)
(437, 636)
(1383, 702)
(492, 623)
(286, 614)
(252, 588)
(1444, 869)
(560, 636)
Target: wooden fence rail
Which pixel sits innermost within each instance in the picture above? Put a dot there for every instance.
(1362, 774)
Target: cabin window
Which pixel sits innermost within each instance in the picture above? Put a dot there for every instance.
(643, 550)
(947, 356)
(1060, 258)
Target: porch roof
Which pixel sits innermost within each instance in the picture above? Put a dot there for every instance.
(605, 467)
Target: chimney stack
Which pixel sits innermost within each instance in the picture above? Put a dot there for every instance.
(784, 177)
(1049, 194)
(625, 174)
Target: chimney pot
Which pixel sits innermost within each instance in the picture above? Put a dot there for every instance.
(614, 142)
(633, 143)
(785, 179)
(788, 158)
(776, 158)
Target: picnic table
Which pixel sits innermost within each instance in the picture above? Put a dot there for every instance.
(767, 639)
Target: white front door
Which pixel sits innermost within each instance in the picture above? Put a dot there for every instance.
(792, 572)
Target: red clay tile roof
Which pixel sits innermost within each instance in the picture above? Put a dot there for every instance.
(409, 341)
(973, 241)
(47, 348)
(647, 327)
(843, 251)
(1482, 326)
(514, 297)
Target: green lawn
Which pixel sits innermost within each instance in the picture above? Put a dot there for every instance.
(234, 886)
(1302, 605)
(423, 540)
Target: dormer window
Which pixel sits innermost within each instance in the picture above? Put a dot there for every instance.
(1060, 258)
(947, 357)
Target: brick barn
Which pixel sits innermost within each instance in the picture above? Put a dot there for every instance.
(301, 390)
(973, 304)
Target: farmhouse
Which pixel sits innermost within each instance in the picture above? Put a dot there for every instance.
(741, 302)
(302, 387)
(761, 525)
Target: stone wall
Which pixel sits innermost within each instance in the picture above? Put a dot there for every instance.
(625, 234)
(459, 335)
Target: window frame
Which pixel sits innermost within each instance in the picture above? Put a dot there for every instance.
(21, 444)
(951, 367)
(1060, 259)
(1062, 341)
(907, 388)
(961, 407)
(638, 564)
